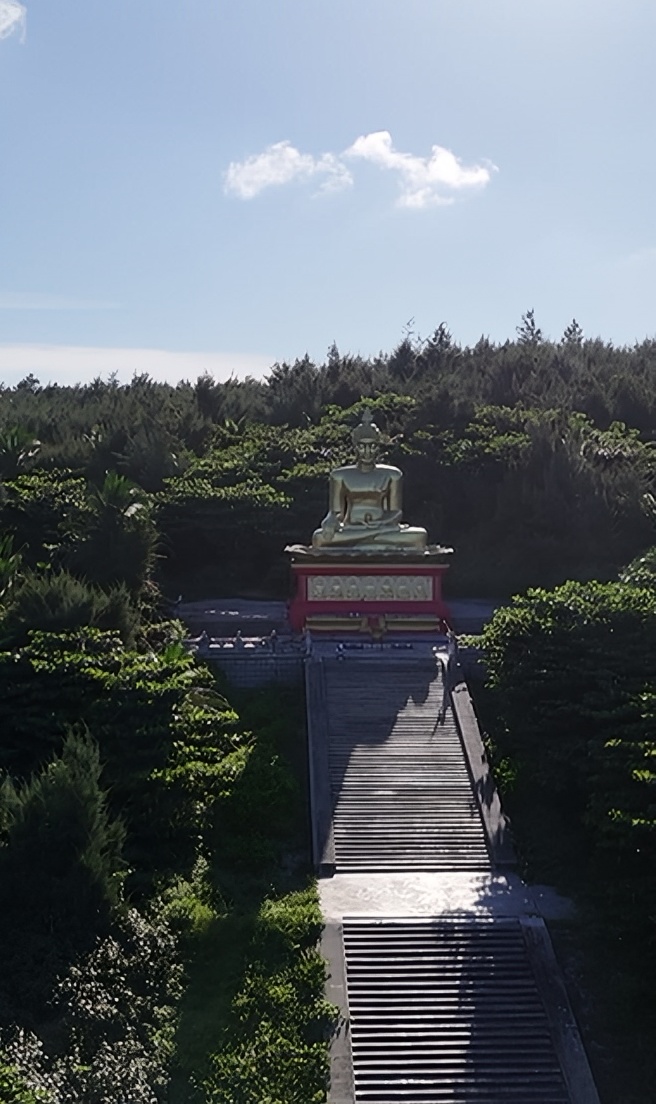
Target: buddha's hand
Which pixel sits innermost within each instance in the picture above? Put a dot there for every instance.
(330, 525)
(390, 519)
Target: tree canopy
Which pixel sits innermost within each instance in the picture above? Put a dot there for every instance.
(534, 458)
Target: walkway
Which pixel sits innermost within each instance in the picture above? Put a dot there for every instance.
(400, 787)
(452, 992)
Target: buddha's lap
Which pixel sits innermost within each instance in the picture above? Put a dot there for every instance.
(370, 534)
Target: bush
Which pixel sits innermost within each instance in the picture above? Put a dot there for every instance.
(116, 1014)
(13, 1089)
(276, 1050)
(573, 678)
(60, 870)
(59, 602)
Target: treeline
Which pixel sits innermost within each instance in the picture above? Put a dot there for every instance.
(146, 829)
(147, 426)
(570, 710)
(534, 459)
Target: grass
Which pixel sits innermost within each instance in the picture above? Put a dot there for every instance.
(253, 1022)
(216, 966)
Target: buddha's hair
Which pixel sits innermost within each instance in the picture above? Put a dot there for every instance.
(367, 430)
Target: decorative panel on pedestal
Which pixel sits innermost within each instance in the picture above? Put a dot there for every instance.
(368, 597)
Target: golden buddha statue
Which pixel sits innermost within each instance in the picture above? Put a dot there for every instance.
(365, 503)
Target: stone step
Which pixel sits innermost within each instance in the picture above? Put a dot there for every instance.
(444, 1011)
(400, 786)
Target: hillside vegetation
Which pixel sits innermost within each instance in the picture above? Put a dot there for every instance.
(159, 931)
(534, 459)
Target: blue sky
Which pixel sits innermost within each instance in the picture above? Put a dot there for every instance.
(211, 185)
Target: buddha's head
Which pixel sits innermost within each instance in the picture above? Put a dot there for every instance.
(366, 439)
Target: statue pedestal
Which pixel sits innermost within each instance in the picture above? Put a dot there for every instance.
(373, 595)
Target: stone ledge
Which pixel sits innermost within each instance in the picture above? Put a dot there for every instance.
(495, 823)
(321, 813)
(342, 1084)
(564, 1028)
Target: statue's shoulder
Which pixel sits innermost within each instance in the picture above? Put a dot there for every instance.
(390, 469)
(345, 468)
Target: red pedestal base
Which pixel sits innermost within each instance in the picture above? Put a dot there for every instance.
(370, 596)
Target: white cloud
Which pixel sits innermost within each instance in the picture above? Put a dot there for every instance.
(12, 18)
(425, 181)
(280, 164)
(68, 364)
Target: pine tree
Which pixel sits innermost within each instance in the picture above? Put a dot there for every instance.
(60, 868)
(529, 333)
(573, 334)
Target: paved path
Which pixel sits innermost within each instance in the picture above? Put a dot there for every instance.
(436, 894)
(450, 988)
(401, 789)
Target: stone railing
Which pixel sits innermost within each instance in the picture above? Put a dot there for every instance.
(253, 661)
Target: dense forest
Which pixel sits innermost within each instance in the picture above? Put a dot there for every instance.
(158, 927)
(534, 459)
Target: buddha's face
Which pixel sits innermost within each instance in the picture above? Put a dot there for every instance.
(366, 452)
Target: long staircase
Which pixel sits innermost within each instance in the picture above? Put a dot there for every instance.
(401, 792)
(446, 1008)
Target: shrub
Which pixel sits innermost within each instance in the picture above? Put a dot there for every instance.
(116, 1009)
(60, 869)
(59, 602)
(275, 1050)
(13, 1089)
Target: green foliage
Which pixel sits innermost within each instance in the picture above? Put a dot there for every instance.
(641, 572)
(572, 334)
(132, 703)
(274, 1049)
(10, 562)
(61, 869)
(190, 905)
(538, 452)
(203, 781)
(59, 679)
(13, 1089)
(46, 512)
(58, 602)
(17, 448)
(244, 959)
(547, 493)
(529, 333)
(229, 787)
(104, 534)
(58, 826)
(265, 809)
(288, 924)
(555, 656)
(569, 666)
(572, 677)
(115, 1010)
(118, 544)
(208, 753)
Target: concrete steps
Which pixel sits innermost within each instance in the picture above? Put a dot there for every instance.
(401, 790)
(447, 1010)
(459, 1007)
